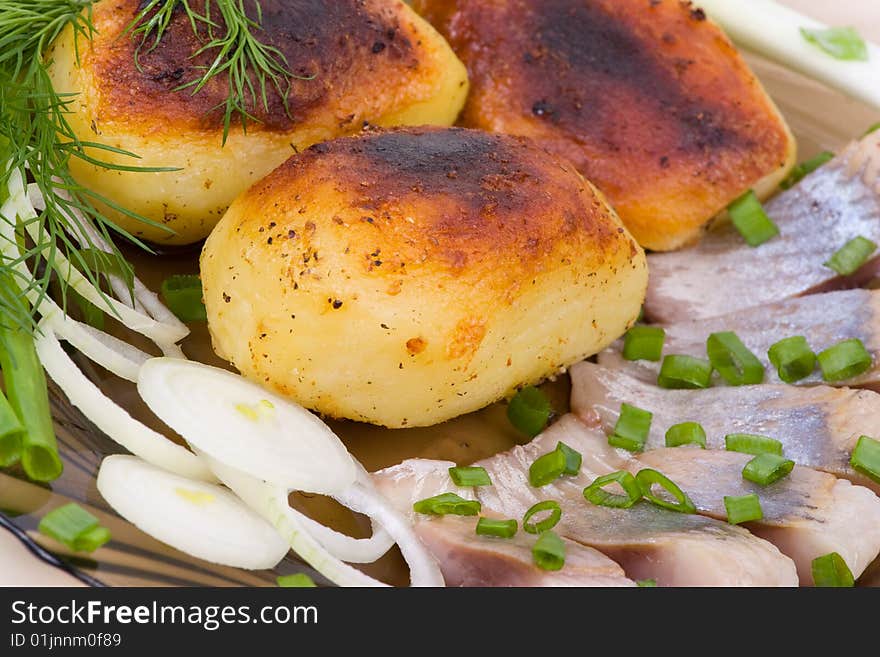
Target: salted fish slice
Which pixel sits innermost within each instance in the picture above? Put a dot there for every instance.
(818, 426)
(722, 274)
(823, 319)
(467, 559)
(648, 542)
(806, 515)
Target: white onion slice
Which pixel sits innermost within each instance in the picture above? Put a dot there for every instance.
(110, 418)
(271, 503)
(423, 568)
(161, 334)
(88, 235)
(343, 547)
(111, 353)
(203, 520)
(241, 424)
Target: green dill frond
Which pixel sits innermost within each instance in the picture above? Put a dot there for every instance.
(230, 40)
(37, 141)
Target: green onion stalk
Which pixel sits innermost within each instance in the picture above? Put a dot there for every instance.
(26, 395)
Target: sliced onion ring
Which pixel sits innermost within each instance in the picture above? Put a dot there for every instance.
(110, 418)
(424, 570)
(271, 503)
(241, 424)
(204, 520)
(111, 353)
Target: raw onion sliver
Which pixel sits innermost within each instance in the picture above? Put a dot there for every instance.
(237, 422)
(112, 419)
(161, 334)
(111, 353)
(424, 570)
(148, 300)
(343, 547)
(271, 503)
(204, 520)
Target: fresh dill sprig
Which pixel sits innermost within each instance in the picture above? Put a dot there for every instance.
(36, 140)
(229, 37)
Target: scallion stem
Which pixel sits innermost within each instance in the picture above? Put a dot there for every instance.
(26, 389)
(11, 430)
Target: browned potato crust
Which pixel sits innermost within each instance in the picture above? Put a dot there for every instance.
(406, 277)
(647, 98)
(361, 61)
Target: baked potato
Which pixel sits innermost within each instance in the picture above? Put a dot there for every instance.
(405, 277)
(648, 99)
(370, 61)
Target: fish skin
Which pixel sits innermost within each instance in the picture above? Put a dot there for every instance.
(722, 274)
(823, 319)
(817, 426)
(466, 559)
(806, 515)
(648, 542)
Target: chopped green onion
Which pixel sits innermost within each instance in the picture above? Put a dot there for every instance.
(749, 443)
(646, 583)
(11, 430)
(844, 360)
(529, 411)
(748, 215)
(549, 552)
(26, 390)
(644, 343)
(766, 469)
(447, 504)
(183, 295)
(547, 468)
(573, 458)
(74, 527)
(496, 528)
(597, 494)
(733, 360)
(870, 131)
(830, 570)
(472, 475)
(792, 358)
(803, 169)
(866, 458)
(547, 523)
(684, 372)
(297, 581)
(647, 478)
(686, 433)
(744, 508)
(851, 256)
(632, 428)
(842, 43)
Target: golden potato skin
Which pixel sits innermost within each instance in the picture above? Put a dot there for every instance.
(405, 277)
(370, 61)
(648, 99)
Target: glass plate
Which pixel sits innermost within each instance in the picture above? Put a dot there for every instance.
(821, 119)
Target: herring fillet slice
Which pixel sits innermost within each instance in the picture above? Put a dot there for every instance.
(472, 560)
(648, 542)
(467, 559)
(806, 515)
(818, 426)
(823, 319)
(722, 274)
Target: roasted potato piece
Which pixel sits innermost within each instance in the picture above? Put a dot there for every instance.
(406, 277)
(647, 98)
(370, 61)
